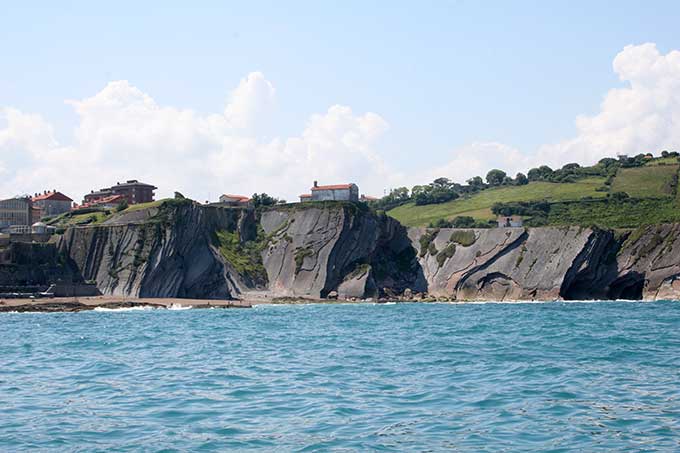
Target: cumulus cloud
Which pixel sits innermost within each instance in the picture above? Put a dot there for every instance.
(251, 104)
(124, 133)
(642, 117)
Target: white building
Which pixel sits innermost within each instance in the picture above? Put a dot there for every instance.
(336, 192)
(235, 200)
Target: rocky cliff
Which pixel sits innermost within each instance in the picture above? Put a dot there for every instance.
(550, 263)
(172, 250)
(182, 249)
(319, 250)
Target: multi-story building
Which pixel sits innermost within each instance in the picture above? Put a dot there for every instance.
(15, 212)
(51, 203)
(133, 191)
(336, 192)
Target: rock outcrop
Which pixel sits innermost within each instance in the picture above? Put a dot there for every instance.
(169, 251)
(552, 263)
(345, 250)
(315, 249)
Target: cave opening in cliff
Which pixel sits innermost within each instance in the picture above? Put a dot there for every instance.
(628, 287)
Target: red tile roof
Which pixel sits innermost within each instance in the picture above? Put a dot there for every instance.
(333, 187)
(56, 196)
(306, 195)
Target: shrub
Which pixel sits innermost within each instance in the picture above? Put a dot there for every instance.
(463, 237)
(445, 254)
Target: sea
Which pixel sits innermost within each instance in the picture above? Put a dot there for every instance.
(548, 377)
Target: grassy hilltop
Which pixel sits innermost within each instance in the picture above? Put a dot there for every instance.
(629, 194)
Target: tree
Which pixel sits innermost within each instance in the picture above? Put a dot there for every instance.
(263, 200)
(542, 173)
(521, 179)
(619, 196)
(443, 183)
(495, 177)
(664, 154)
(463, 221)
(476, 183)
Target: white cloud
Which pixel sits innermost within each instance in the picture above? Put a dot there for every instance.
(251, 103)
(642, 117)
(476, 159)
(124, 133)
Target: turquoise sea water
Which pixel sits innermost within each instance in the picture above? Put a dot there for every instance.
(405, 377)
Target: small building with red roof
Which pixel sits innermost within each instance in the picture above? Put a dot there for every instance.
(51, 203)
(235, 200)
(335, 192)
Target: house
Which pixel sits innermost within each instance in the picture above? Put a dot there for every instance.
(235, 200)
(337, 192)
(305, 197)
(109, 202)
(51, 203)
(16, 212)
(367, 198)
(133, 191)
(513, 221)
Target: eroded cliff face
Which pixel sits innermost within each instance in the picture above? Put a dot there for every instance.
(193, 251)
(169, 251)
(553, 263)
(314, 251)
(182, 249)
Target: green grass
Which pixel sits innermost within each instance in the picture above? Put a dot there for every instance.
(479, 205)
(663, 161)
(140, 206)
(243, 257)
(653, 181)
(69, 219)
(610, 214)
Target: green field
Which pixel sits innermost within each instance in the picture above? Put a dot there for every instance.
(653, 181)
(479, 205)
(611, 214)
(663, 161)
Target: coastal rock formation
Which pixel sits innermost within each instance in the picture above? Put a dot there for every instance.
(168, 251)
(313, 250)
(317, 250)
(34, 264)
(552, 263)
(182, 249)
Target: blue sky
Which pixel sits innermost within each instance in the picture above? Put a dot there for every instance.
(441, 74)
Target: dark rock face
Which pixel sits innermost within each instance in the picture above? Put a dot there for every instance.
(171, 253)
(28, 264)
(553, 263)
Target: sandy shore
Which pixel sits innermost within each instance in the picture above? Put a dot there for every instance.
(71, 304)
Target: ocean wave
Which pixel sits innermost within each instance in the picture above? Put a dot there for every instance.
(123, 309)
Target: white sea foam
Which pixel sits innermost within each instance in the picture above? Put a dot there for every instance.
(122, 309)
(180, 307)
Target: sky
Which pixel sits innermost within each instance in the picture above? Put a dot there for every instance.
(241, 97)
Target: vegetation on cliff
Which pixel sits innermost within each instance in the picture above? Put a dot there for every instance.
(623, 192)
